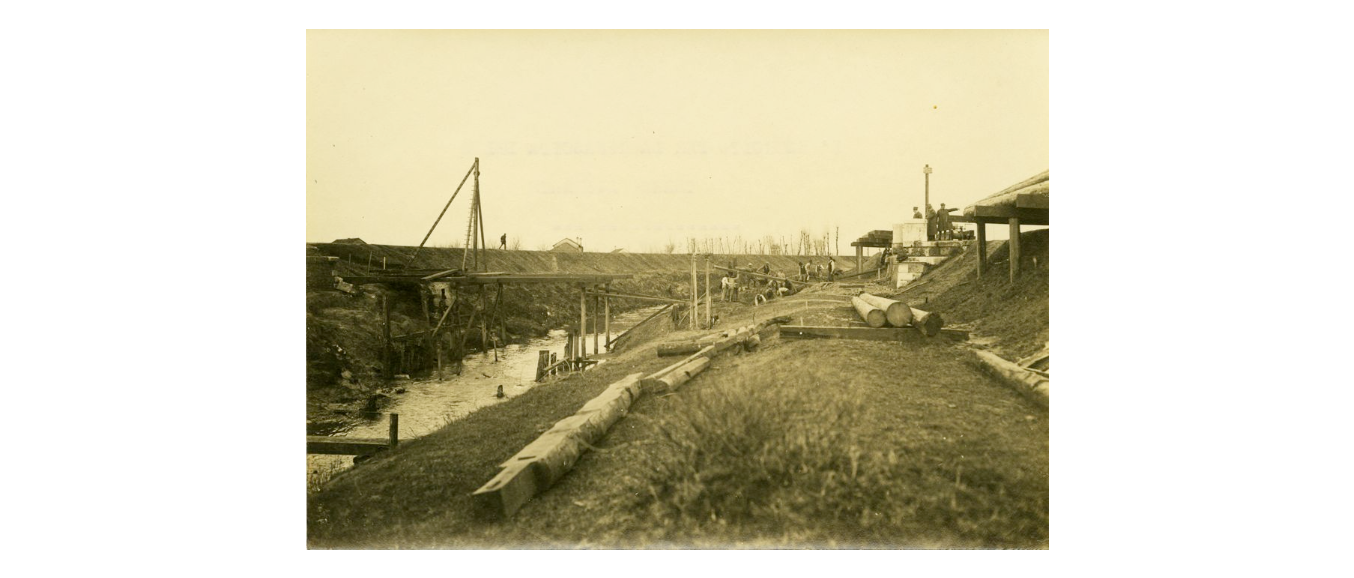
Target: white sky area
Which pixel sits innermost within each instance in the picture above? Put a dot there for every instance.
(632, 139)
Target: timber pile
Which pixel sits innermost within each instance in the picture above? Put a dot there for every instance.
(876, 311)
(897, 313)
(873, 316)
(545, 460)
(1014, 375)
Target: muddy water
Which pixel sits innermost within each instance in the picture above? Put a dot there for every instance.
(428, 404)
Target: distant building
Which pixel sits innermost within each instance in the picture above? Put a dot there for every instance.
(568, 246)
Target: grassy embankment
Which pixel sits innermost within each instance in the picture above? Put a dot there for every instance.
(801, 444)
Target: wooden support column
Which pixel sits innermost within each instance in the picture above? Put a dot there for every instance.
(423, 298)
(606, 304)
(708, 299)
(982, 247)
(596, 325)
(484, 327)
(860, 253)
(1014, 245)
(694, 291)
(582, 321)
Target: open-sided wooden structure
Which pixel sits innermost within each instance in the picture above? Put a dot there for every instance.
(1025, 202)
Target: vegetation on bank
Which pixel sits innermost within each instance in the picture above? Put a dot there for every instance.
(802, 444)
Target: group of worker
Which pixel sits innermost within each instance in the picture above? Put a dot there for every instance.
(807, 270)
(734, 281)
(938, 225)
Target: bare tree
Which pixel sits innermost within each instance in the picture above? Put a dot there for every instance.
(669, 247)
(516, 244)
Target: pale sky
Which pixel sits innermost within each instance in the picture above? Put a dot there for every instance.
(629, 139)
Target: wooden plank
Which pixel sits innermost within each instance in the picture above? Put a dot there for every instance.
(863, 333)
(1002, 214)
(635, 297)
(1032, 201)
(905, 334)
(640, 324)
(345, 446)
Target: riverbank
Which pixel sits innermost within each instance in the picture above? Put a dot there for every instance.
(802, 444)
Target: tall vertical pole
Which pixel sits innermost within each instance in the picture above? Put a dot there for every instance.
(694, 290)
(606, 303)
(708, 299)
(1014, 245)
(596, 325)
(927, 199)
(475, 216)
(982, 247)
(582, 321)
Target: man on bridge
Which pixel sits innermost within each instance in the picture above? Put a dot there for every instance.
(503, 241)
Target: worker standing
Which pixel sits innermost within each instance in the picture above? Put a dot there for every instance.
(930, 223)
(915, 213)
(503, 241)
(943, 222)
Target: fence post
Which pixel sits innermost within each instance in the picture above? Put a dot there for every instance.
(394, 430)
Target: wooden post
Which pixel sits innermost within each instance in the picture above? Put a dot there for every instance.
(383, 263)
(1014, 245)
(423, 298)
(369, 262)
(484, 328)
(708, 299)
(542, 361)
(606, 304)
(694, 290)
(596, 325)
(860, 252)
(582, 322)
(982, 247)
(394, 430)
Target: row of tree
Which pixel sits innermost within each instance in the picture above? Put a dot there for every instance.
(805, 244)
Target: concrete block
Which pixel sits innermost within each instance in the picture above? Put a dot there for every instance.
(909, 231)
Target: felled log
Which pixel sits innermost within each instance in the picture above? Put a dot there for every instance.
(873, 316)
(678, 348)
(675, 378)
(897, 313)
(927, 322)
(551, 455)
(1014, 375)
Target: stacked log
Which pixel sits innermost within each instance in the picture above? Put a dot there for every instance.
(873, 316)
(927, 322)
(897, 313)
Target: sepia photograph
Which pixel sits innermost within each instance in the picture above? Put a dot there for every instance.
(716, 289)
